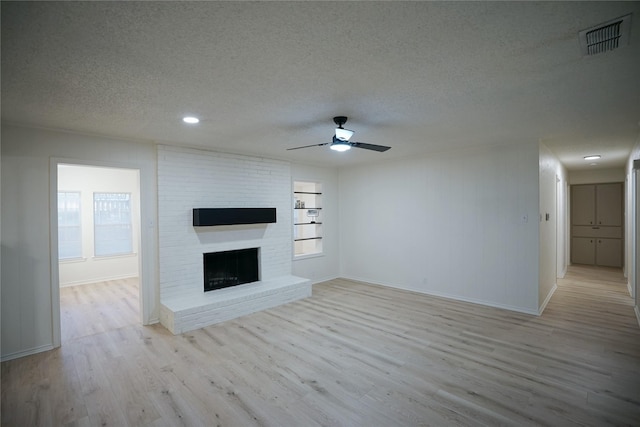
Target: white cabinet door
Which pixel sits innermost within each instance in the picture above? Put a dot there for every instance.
(609, 252)
(609, 204)
(583, 250)
(596, 221)
(583, 204)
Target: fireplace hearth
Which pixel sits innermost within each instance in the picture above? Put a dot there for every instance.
(230, 268)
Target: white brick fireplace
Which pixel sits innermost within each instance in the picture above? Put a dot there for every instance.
(190, 178)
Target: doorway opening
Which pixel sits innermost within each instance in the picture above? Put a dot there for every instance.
(98, 229)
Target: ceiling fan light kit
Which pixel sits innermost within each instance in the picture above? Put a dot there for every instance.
(344, 134)
(339, 145)
(341, 139)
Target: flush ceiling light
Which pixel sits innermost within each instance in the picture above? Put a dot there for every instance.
(592, 157)
(191, 120)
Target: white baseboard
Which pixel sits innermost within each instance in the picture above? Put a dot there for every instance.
(547, 299)
(324, 279)
(562, 273)
(630, 289)
(24, 353)
(96, 280)
(449, 296)
(152, 321)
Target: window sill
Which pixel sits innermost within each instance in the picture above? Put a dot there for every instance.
(105, 257)
(307, 256)
(72, 260)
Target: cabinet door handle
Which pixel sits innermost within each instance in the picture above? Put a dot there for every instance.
(595, 228)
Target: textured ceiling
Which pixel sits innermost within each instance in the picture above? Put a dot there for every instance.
(263, 77)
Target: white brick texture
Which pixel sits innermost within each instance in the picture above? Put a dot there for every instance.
(191, 178)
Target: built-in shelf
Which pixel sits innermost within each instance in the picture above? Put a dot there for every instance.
(307, 239)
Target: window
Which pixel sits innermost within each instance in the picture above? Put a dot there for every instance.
(69, 225)
(112, 224)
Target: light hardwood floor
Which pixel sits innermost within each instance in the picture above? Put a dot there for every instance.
(352, 355)
(98, 307)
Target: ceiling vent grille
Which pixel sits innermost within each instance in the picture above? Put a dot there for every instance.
(605, 37)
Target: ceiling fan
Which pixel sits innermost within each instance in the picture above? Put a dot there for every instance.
(341, 139)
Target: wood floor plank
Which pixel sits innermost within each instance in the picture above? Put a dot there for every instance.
(98, 307)
(353, 354)
(93, 370)
(62, 373)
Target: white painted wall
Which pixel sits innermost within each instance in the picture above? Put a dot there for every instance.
(30, 310)
(325, 266)
(596, 176)
(451, 224)
(86, 180)
(188, 179)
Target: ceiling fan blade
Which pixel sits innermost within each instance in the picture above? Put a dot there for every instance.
(307, 146)
(379, 148)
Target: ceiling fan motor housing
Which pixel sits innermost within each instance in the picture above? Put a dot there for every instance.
(340, 120)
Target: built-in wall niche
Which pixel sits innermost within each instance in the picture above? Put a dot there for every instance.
(307, 218)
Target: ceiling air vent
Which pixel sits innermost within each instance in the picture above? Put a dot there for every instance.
(604, 37)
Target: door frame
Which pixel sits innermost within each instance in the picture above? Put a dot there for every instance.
(143, 292)
(634, 268)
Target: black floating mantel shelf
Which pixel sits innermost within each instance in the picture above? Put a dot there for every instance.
(205, 217)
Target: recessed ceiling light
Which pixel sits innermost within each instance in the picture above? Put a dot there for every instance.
(593, 157)
(191, 120)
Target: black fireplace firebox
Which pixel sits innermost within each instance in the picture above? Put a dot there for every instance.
(230, 268)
